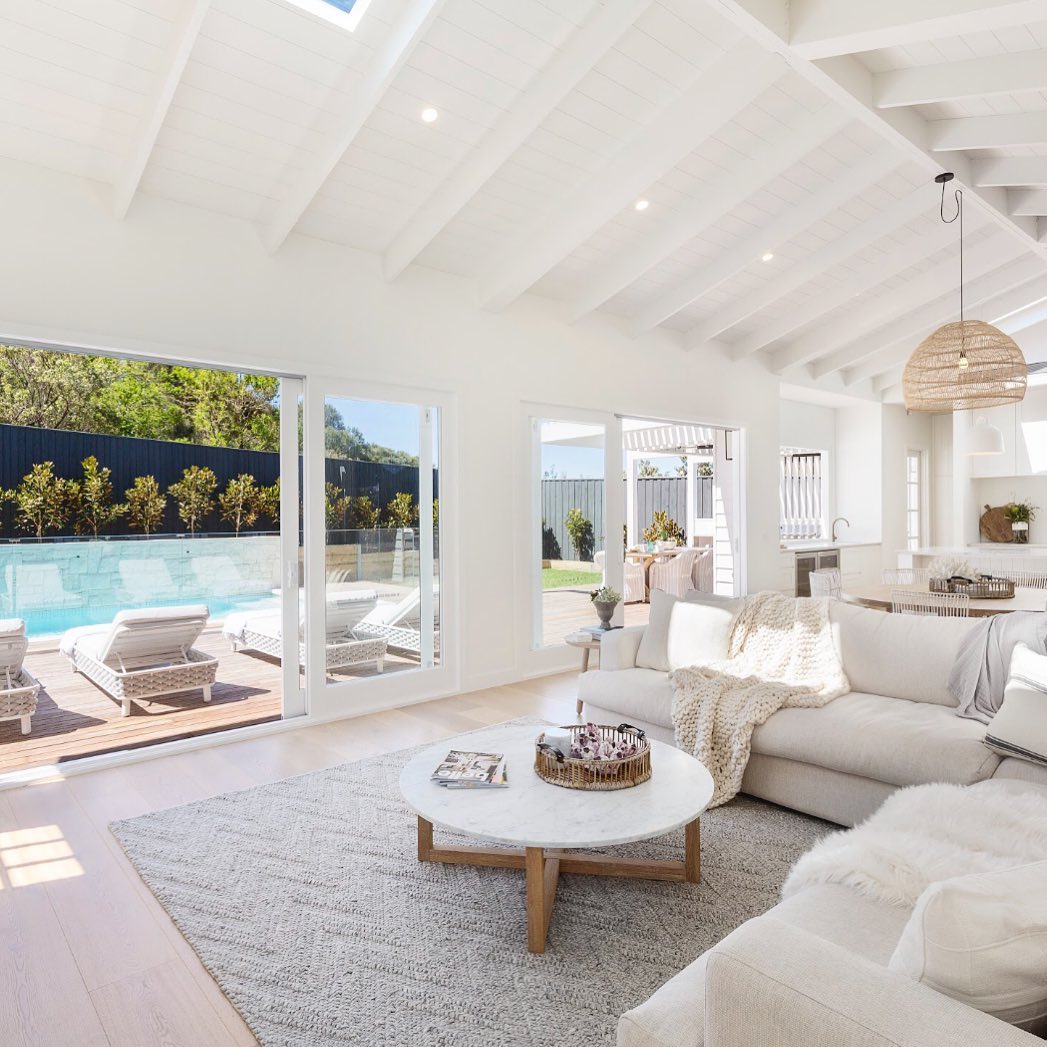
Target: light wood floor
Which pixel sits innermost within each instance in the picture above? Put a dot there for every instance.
(76, 718)
(87, 955)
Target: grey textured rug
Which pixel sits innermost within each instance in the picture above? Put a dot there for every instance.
(305, 901)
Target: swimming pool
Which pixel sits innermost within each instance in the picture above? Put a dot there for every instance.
(57, 586)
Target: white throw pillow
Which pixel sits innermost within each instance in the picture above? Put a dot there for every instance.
(1019, 727)
(982, 939)
(700, 629)
(653, 652)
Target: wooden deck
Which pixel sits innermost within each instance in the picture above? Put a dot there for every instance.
(75, 718)
(567, 610)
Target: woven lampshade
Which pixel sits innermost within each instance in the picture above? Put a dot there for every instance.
(964, 366)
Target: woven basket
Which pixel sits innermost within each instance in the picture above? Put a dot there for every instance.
(982, 589)
(605, 775)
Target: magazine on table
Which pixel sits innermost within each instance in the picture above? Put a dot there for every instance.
(469, 770)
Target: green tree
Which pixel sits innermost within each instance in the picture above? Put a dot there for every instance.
(336, 505)
(194, 494)
(646, 469)
(342, 441)
(230, 410)
(663, 528)
(269, 501)
(42, 499)
(142, 401)
(436, 513)
(145, 504)
(363, 513)
(401, 511)
(92, 500)
(580, 531)
(52, 390)
(238, 503)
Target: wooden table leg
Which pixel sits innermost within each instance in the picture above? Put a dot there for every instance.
(425, 839)
(543, 874)
(692, 852)
(585, 669)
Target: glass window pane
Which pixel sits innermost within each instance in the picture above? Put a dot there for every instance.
(571, 496)
(382, 578)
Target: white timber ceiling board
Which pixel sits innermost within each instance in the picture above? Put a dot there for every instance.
(553, 122)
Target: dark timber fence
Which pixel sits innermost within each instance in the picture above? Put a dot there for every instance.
(22, 447)
(668, 493)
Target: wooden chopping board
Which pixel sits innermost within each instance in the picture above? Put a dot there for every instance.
(994, 525)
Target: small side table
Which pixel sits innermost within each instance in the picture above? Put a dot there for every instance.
(587, 642)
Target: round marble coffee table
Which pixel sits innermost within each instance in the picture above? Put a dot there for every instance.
(544, 820)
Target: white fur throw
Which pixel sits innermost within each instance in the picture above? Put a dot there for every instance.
(781, 655)
(928, 833)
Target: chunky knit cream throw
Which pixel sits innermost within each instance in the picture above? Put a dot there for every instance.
(780, 655)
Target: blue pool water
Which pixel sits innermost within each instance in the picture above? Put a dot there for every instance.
(53, 622)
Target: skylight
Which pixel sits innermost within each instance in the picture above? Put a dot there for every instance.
(345, 14)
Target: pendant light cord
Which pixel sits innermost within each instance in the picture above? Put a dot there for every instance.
(958, 197)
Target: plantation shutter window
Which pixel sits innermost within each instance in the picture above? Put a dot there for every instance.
(800, 494)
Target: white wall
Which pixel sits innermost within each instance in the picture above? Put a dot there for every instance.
(859, 466)
(943, 531)
(182, 283)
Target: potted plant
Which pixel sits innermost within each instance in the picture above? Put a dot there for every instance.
(1021, 514)
(605, 600)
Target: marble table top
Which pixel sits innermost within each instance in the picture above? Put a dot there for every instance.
(533, 813)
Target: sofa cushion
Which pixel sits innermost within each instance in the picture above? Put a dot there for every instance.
(632, 694)
(888, 739)
(675, 1014)
(693, 631)
(700, 629)
(982, 939)
(1019, 728)
(899, 655)
(653, 652)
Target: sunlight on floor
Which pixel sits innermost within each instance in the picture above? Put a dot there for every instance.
(38, 855)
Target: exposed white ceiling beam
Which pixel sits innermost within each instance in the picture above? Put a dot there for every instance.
(970, 78)
(1008, 171)
(1028, 201)
(850, 82)
(987, 132)
(185, 30)
(789, 224)
(364, 95)
(870, 314)
(900, 213)
(1025, 318)
(890, 393)
(718, 196)
(822, 28)
(866, 278)
(901, 337)
(712, 98)
(525, 114)
(917, 323)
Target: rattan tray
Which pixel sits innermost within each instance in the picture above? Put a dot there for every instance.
(982, 589)
(606, 775)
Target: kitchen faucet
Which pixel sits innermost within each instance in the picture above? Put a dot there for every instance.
(836, 521)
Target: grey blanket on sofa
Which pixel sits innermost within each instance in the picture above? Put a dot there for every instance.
(980, 673)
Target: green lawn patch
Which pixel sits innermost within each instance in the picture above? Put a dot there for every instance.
(558, 578)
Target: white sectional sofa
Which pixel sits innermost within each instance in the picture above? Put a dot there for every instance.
(814, 970)
(897, 727)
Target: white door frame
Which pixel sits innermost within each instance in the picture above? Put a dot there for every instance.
(350, 697)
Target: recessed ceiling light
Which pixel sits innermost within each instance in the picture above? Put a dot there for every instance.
(642, 205)
(766, 256)
(429, 114)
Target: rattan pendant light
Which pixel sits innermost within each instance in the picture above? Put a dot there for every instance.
(965, 365)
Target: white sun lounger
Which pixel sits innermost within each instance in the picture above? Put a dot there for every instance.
(144, 654)
(396, 623)
(18, 687)
(262, 631)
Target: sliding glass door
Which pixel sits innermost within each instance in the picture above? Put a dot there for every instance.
(375, 486)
